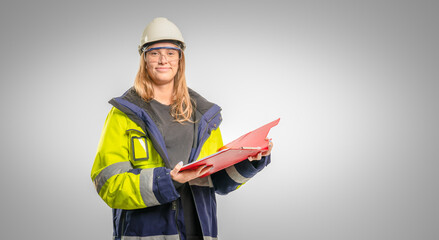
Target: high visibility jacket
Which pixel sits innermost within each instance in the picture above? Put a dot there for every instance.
(131, 171)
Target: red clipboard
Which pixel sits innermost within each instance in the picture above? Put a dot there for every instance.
(249, 144)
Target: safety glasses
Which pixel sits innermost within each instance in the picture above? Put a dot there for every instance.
(156, 54)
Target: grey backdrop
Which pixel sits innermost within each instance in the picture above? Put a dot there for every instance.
(354, 82)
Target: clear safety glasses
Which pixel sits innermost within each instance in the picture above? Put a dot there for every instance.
(155, 54)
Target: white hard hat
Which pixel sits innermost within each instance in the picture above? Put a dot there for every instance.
(161, 29)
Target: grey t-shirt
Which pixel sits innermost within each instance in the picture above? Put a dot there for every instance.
(178, 137)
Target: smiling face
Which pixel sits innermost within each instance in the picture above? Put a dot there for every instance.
(162, 63)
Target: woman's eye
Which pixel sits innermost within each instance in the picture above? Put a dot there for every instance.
(152, 53)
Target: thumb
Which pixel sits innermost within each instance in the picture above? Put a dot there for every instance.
(177, 168)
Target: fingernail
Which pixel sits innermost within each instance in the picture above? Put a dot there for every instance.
(180, 163)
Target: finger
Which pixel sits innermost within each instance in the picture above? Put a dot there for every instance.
(200, 169)
(270, 146)
(205, 170)
(266, 153)
(256, 157)
(177, 168)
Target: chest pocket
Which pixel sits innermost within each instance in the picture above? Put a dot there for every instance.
(142, 153)
(139, 148)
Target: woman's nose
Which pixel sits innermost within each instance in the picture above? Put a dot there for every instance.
(163, 59)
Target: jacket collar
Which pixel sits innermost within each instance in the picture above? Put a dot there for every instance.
(201, 105)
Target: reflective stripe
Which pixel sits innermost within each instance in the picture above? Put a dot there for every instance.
(209, 238)
(143, 144)
(235, 176)
(158, 237)
(202, 182)
(146, 183)
(109, 171)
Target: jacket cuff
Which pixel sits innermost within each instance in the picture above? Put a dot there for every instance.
(261, 164)
(249, 169)
(163, 186)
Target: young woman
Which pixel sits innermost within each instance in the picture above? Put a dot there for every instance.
(152, 130)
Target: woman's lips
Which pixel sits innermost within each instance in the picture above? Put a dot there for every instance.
(162, 69)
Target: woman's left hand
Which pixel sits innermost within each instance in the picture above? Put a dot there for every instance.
(187, 175)
(262, 154)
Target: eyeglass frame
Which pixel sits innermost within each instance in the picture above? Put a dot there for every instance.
(146, 50)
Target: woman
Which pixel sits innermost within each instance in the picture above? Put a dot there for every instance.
(152, 130)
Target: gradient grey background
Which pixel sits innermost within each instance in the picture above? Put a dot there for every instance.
(354, 82)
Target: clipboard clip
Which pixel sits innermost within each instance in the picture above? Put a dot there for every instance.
(250, 148)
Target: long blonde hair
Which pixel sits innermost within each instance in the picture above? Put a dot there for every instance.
(181, 107)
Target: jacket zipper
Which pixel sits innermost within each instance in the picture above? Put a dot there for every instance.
(175, 208)
(123, 224)
(196, 209)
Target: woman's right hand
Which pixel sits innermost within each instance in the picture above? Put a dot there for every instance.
(187, 175)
